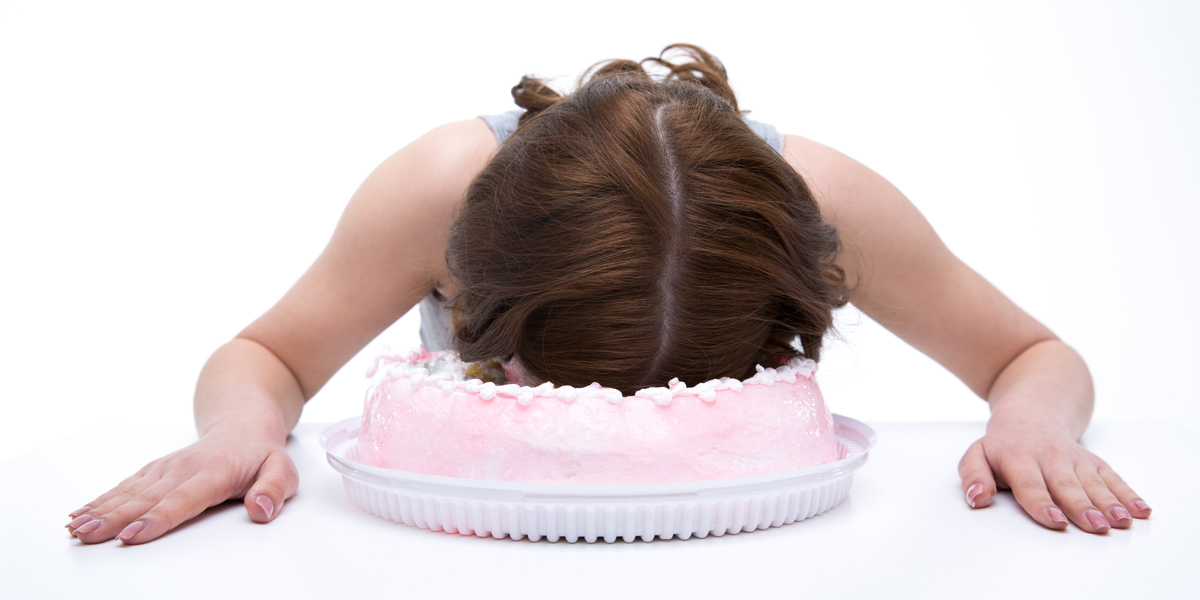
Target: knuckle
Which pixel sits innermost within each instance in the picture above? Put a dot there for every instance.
(126, 493)
(1063, 482)
(1079, 507)
(1029, 487)
(157, 520)
(290, 473)
(271, 487)
(148, 497)
(1127, 495)
(181, 495)
(116, 499)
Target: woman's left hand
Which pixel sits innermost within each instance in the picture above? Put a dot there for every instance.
(1050, 474)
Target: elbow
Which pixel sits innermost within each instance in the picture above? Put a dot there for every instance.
(1031, 349)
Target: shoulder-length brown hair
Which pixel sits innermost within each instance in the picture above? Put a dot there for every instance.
(638, 230)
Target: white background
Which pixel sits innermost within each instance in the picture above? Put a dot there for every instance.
(167, 170)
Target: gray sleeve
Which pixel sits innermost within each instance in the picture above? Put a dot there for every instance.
(767, 132)
(436, 334)
(503, 124)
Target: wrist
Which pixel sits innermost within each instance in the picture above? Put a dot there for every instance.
(262, 425)
(1047, 386)
(1014, 415)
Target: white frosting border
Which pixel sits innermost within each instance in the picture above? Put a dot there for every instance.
(388, 365)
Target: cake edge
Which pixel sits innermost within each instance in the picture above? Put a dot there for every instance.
(388, 365)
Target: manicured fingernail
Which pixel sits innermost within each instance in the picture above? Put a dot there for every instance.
(89, 527)
(1057, 515)
(972, 492)
(79, 511)
(1096, 519)
(80, 520)
(1119, 513)
(1140, 505)
(264, 503)
(131, 530)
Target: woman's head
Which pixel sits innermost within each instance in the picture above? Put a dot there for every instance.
(637, 230)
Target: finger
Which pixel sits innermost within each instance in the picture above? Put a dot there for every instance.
(110, 494)
(113, 517)
(1129, 499)
(1068, 492)
(127, 490)
(105, 497)
(276, 482)
(979, 487)
(182, 503)
(1029, 488)
(1098, 492)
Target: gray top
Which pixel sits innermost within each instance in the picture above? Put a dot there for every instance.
(435, 317)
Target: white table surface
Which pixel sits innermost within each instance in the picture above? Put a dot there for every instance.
(903, 532)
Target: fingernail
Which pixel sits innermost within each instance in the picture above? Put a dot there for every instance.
(1119, 513)
(89, 527)
(79, 511)
(264, 503)
(1140, 505)
(80, 520)
(1057, 515)
(131, 530)
(972, 492)
(1096, 519)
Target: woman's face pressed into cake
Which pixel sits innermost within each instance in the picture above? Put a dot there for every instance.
(515, 373)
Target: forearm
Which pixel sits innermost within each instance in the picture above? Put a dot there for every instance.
(1047, 383)
(243, 385)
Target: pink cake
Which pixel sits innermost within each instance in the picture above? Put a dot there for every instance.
(423, 414)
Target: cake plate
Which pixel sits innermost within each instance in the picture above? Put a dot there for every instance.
(597, 512)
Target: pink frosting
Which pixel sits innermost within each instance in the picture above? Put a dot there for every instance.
(439, 424)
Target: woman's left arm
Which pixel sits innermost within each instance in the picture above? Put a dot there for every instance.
(1039, 389)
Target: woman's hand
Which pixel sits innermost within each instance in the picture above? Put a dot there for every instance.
(253, 388)
(1049, 473)
(223, 464)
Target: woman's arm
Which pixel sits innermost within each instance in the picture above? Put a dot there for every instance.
(386, 253)
(1039, 389)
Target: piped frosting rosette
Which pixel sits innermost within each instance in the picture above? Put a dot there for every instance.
(424, 414)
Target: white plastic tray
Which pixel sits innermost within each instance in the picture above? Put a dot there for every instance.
(594, 512)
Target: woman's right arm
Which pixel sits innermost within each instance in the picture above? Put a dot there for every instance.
(386, 253)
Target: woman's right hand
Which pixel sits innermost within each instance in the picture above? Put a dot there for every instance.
(252, 389)
(223, 464)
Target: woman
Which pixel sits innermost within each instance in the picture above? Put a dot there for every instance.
(633, 231)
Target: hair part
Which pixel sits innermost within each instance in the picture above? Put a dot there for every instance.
(638, 230)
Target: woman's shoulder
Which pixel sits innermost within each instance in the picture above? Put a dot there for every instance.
(433, 171)
(844, 188)
(873, 218)
(405, 207)
(459, 146)
(817, 163)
